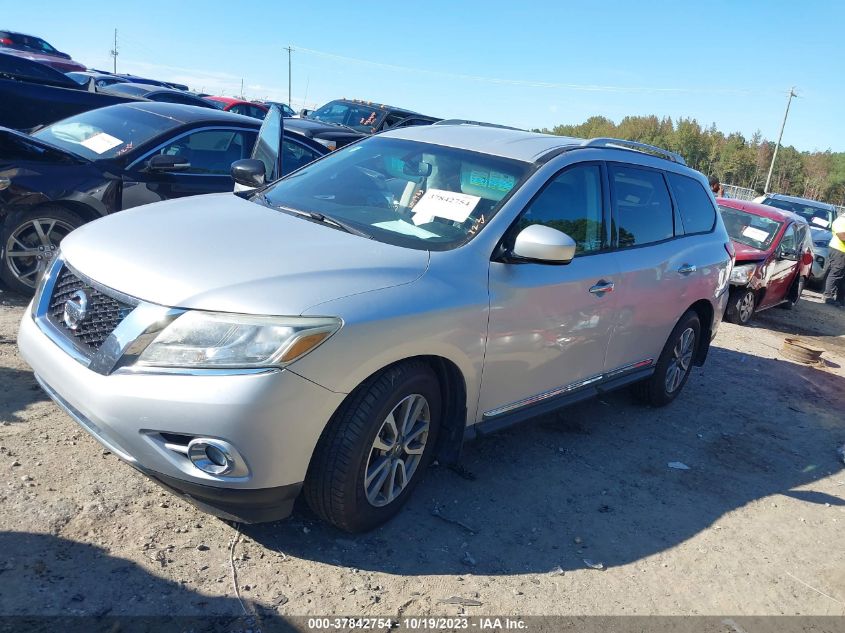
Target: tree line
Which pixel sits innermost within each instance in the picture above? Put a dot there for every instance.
(732, 158)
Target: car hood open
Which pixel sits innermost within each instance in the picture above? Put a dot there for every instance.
(221, 252)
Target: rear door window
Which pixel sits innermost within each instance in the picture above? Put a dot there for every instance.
(697, 211)
(641, 204)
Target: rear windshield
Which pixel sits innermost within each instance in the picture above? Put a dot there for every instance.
(106, 132)
(403, 192)
(751, 230)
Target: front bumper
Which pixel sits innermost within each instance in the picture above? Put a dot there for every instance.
(273, 418)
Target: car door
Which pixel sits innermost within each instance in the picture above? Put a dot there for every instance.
(782, 268)
(208, 155)
(549, 325)
(281, 153)
(658, 266)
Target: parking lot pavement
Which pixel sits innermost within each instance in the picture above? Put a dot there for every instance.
(753, 526)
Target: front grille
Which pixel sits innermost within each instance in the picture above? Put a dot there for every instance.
(103, 315)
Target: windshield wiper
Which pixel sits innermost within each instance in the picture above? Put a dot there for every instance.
(324, 219)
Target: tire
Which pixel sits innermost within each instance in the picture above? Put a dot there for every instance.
(795, 293)
(353, 446)
(659, 390)
(26, 254)
(741, 305)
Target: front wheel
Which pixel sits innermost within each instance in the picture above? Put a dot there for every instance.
(30, 241)
(741, 304)
(674, 365)
(375, 448)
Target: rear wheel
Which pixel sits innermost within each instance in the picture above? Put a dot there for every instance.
(741, 304)
(674, 365)
(375, 449)
(30, 241)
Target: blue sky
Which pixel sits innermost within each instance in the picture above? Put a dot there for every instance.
(529, 63)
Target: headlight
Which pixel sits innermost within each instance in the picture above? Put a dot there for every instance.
(212, 340)
(743, 274)
(332, 145)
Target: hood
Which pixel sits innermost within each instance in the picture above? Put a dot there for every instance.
(820, 234)
(746, 253)
(220, 252)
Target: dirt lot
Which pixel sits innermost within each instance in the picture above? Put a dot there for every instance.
(755, 526)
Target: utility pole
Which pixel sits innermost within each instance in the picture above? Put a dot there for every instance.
(289, 50)
(113, 52)
(242, 87)
(780, 136)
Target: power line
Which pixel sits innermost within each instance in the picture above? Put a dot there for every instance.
(527, 83)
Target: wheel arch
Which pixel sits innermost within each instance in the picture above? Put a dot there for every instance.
(453, 391)
(705, 311)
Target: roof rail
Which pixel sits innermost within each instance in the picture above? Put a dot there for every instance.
(637, 147)
(481, 123)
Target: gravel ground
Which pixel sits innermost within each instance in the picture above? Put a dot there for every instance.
(754, 526)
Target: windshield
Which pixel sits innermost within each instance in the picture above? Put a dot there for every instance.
(403, 192)
(748, 229)
(815, 216)
(106, 132)
(355, 115)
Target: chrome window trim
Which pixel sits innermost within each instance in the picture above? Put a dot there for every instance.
(184, 134)
(557, 391)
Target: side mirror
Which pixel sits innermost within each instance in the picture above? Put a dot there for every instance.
(165, 162)
(248, 172)
(787, 253)
(304, 112)
(542, 243)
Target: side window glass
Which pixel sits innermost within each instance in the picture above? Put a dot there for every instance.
(697, 212)
(572, 203)
(642, 204)
(295, 156)
(788, 241)
(210, 151)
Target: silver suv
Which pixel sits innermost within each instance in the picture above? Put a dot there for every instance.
(332, 332)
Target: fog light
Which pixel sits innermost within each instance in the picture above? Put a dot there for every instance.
(214, 457)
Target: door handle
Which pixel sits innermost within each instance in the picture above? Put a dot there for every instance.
(686, 269)
(601, 287)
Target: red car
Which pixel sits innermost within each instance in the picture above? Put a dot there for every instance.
(239, 106)
(774, 253)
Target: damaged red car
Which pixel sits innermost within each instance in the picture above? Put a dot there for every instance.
(774, 253)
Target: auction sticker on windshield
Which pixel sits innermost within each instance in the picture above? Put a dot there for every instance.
(101, 142)
(758, 235)
(439, 203)
(821, 222)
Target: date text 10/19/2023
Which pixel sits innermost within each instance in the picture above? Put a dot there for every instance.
(417, 623)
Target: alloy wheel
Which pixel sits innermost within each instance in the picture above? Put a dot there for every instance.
(746, 307)
(32, 246)
(681, 360)
(397, 450)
